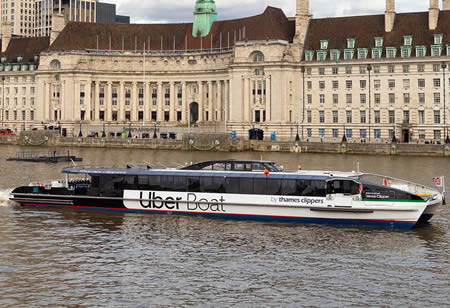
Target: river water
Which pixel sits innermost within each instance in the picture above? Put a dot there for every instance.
(64, 257)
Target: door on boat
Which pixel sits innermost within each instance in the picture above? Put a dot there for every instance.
(342, 192)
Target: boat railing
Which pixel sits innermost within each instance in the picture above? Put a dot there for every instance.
(411, 187)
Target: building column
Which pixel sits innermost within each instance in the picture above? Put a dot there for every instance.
(160, 102)
(219, 105)
(63, 101)
(184, 108)
(96, 109)
(269, 99)
(147, 103)
(134, 102)
(201, 101)
(210, 106)
(172, 116)
(59, 9)
(228, 112)
(87, 99)
(108, 101)
(121, 101)
(245, 101)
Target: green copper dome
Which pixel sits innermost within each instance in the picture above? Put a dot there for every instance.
(205, 15)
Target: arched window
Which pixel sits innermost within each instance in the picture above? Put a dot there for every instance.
(257, 56)
(55, 64)
(259, 72)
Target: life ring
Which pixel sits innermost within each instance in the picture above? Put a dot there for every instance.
(266, 173)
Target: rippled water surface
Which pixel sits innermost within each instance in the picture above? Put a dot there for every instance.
(63, 257)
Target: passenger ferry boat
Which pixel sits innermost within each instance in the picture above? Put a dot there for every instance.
(240, 189)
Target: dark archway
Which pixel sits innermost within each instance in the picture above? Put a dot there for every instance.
(193, 112)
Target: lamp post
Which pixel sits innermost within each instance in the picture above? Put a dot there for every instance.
(3, 100)
(154, 132)
(129, 130)
(297, 137)
(344, 137)
(369, 68)
(103, 132)
(447, 139)
(80, 134)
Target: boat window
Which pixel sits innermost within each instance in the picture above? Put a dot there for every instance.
(239, 167)
(143, 181)
(259, 186)
(118, 182)
(179, 183)
(219, 166)
(273, 187)
(258, 167)
(167, 182)
(130, 182)
(154, 182)
(289, 187)
(228, 166)
(313, 188)
(95, 181)
(232, 185)
(345, 187)
(246, 186)
(193, 183)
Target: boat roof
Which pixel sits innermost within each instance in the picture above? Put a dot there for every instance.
(301, 174)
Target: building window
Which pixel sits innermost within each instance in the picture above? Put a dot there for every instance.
(258, 57)
(348, 114)
(436, 51)
(391, 116)
(406, 98)
(391, 83)
(348, 69)
(351, 43)
(167, 98)
(391, 98)
(114, 115)
(309, 132)
(140, 115)
(335, 132)
(32, 115)
(405, 52)
(101, 115)
(421, 83)
(309, 55)
(363, 133)
(448, 50)
(348, 84)
(391, 68)
(308, 71)
(436, 82)
(377, 133)
(321, 71)
(362, 116)
(376, 53)
(309, 85)
(322, 132)
(391, 52)
(154, 113)
(180, 95)
(323, 44)
(421, 51)
(407, 40)
(322, 116)
(438, 39)
(421, 134)
(377, 116)
(362, 69)
(154, 96)
(321, 85)
(406, 83)
(114, 96)
(335, 70)
(421, 116)
(322, 98)
(377, 83)
(376, 69)
(309, 98)
(166, 116)
(362, 84)
(436, 68)
(437, 117)
(421, 98)
(348, 54)
(437, 134)
(321, 55)
(127, 115)
(7, 114)
(335, 99)
(335, 116)
(349, 133)
(362, 98)
(378, 42)
(348, 99)
(127, 96)
(362, 53)
(334, 55)
(141, 96)
(405, 116)
(421, 68)
(335, 84)
(101, 96)
(377, 98)
(437, 98)
(309, 116)
(179, 116)
(405, 68)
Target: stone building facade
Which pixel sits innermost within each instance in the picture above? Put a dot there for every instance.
(370, 77)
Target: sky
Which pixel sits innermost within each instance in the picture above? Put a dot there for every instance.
(175, 11)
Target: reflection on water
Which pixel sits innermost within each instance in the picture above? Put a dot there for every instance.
(63, 257)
